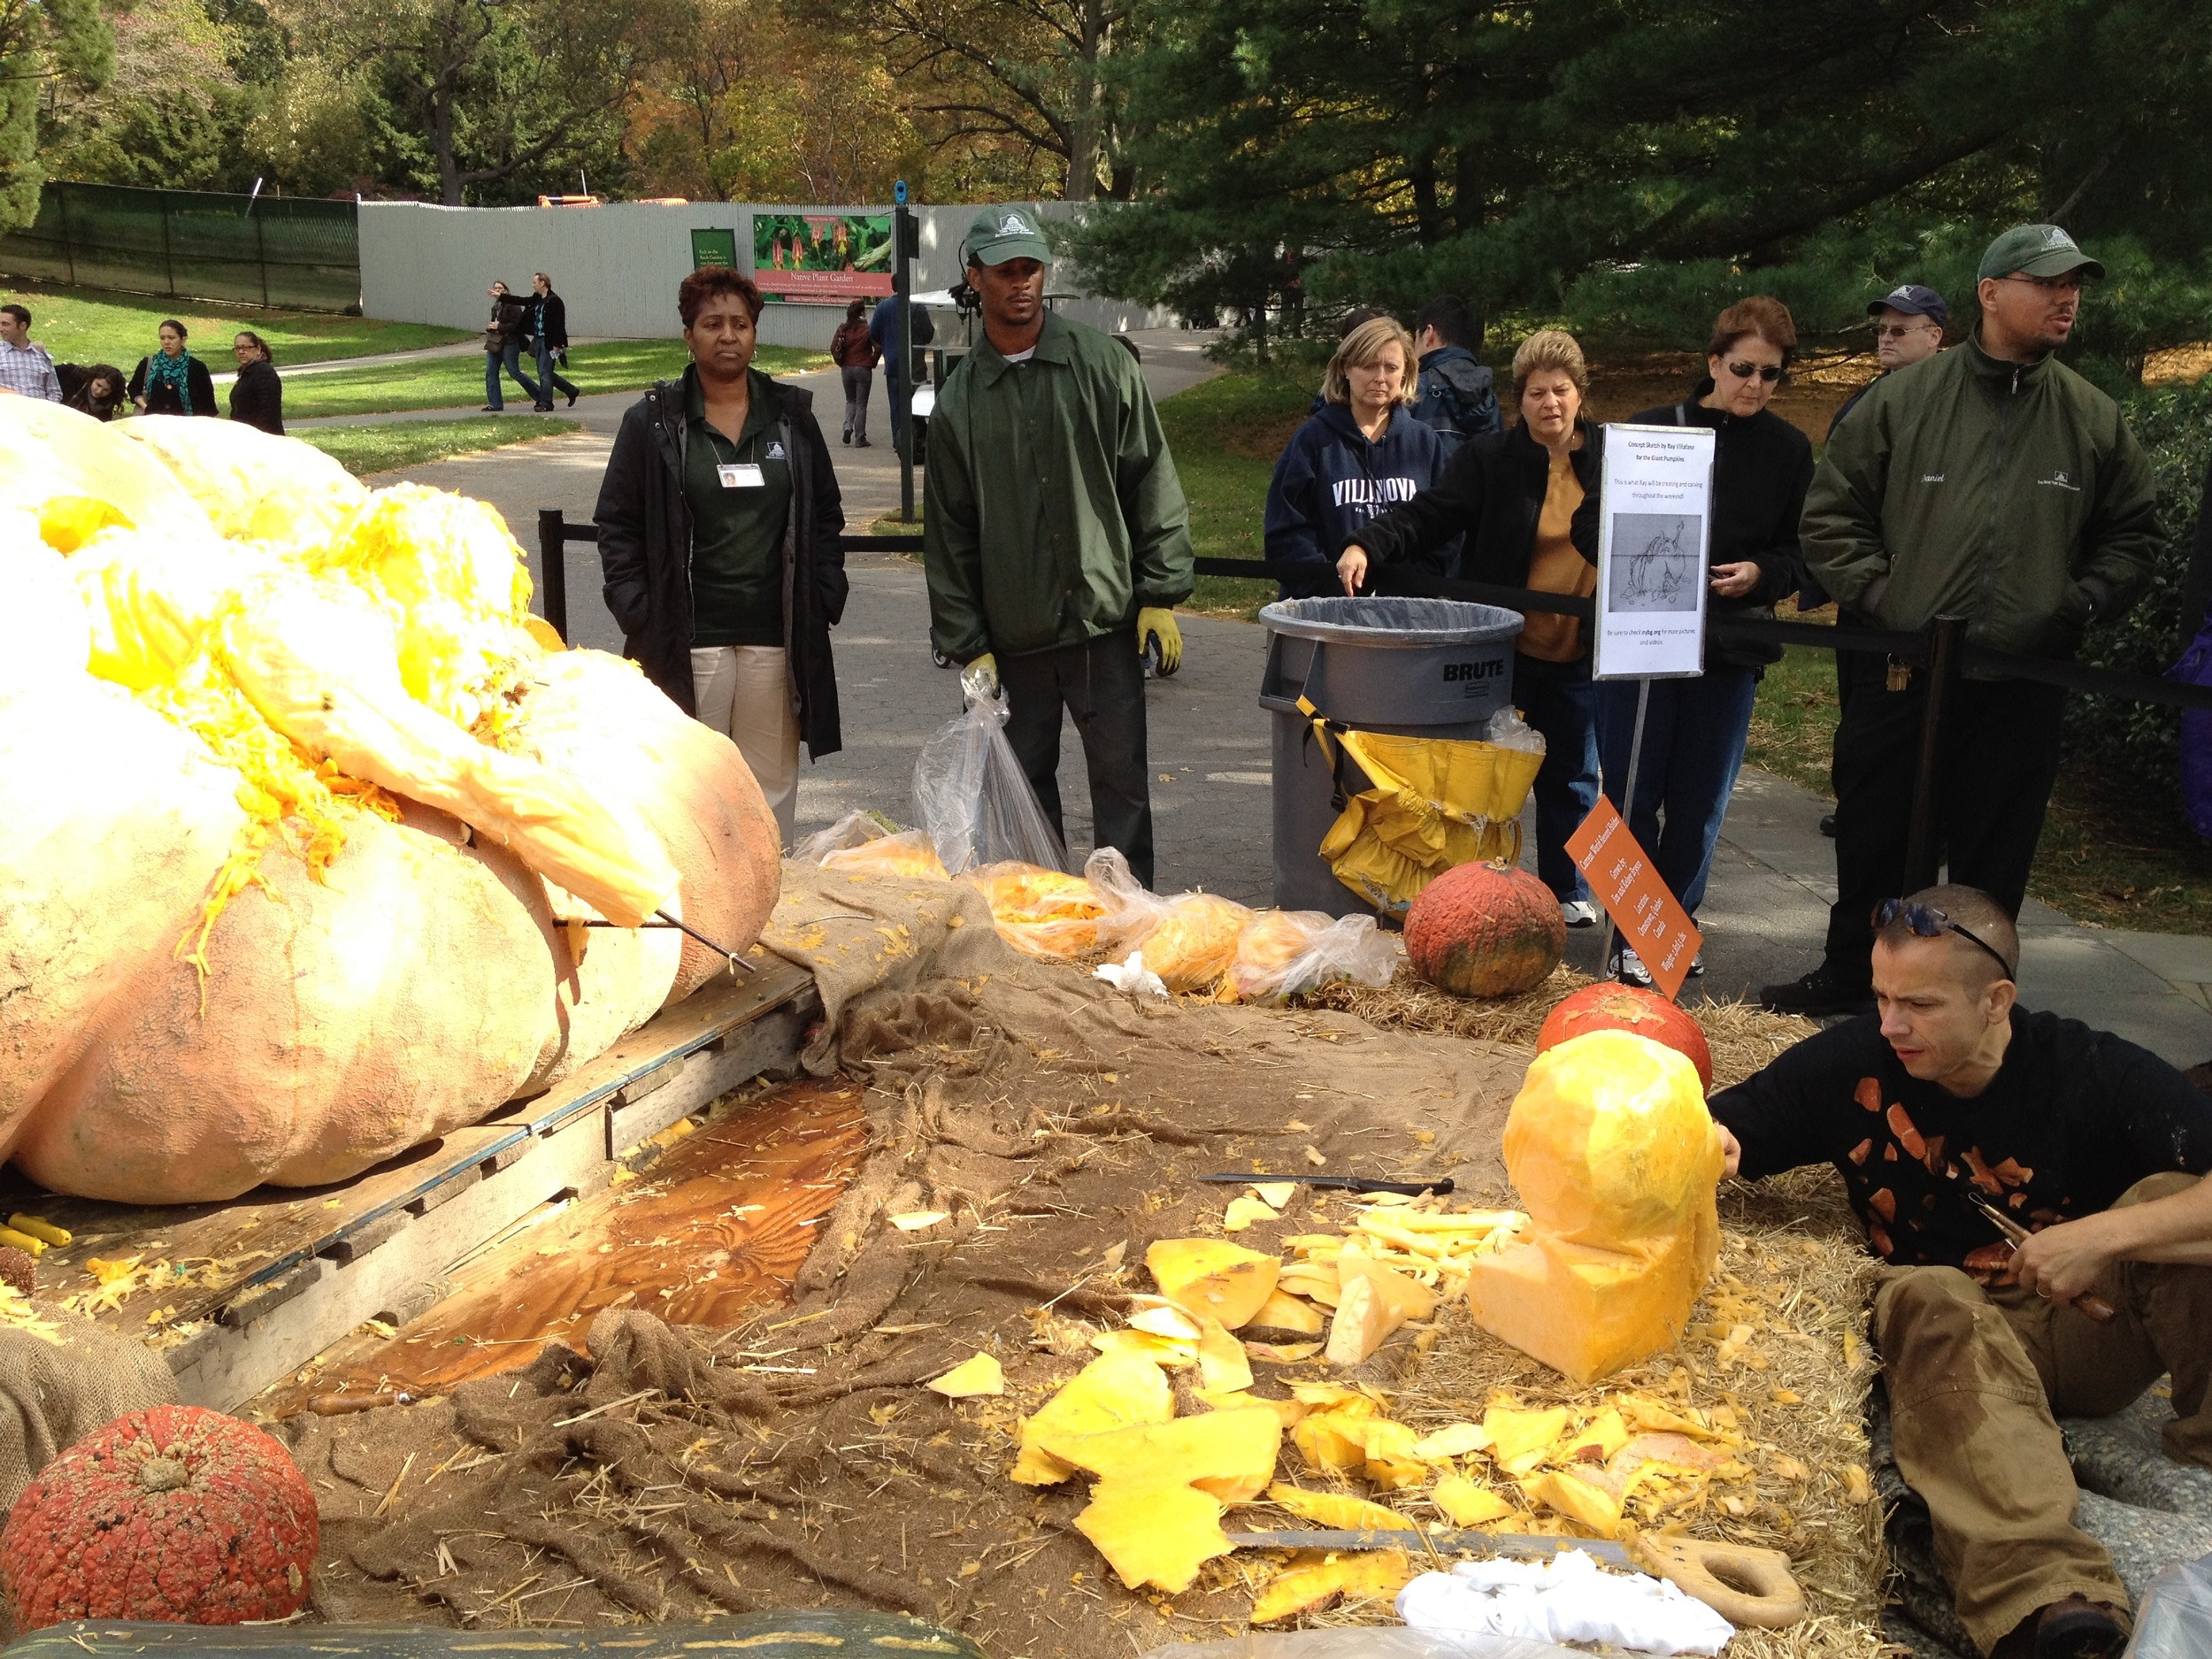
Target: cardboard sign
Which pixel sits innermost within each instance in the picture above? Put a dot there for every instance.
(1650, 920)
(1652, 538)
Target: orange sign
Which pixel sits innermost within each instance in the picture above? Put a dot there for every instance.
(1651, 920)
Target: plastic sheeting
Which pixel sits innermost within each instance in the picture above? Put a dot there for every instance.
(1392, 622)
(972, 795)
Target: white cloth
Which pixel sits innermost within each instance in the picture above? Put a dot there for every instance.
(1567, 1598)
(744, 692)
(1132, 976)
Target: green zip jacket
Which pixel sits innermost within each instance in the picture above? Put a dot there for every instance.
(1052, 514)
(2013, 494)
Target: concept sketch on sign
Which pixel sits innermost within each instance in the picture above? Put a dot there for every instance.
(1656, 563)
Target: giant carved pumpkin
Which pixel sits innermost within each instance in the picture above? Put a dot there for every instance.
(305, 816)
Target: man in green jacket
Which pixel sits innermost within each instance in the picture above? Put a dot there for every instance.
(1056, 535)
(1989, 483)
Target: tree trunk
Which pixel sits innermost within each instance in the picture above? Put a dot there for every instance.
(441, 143)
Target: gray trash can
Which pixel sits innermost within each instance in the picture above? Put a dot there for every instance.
(1406, 667)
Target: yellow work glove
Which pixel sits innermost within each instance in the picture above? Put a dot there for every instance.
(1160, 621)
(979, 678)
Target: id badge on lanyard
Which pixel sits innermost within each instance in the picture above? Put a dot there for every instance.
(740, 475)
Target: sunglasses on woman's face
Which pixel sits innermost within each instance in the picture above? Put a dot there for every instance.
(1766, 372)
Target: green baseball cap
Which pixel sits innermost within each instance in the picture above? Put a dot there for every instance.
(2036, 250)
(1000, 234)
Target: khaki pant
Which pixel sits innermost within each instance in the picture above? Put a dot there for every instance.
(1974, 1377)
(744, 691)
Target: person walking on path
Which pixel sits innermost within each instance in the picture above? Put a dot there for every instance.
(719, 524)
(1696, 729)
(1513, 496)
(1957, 1094)
(854, 349)
(26, 367)
(1056, 537)
(548, 327)
(883, 328)
(256, 396)
(171, 380)
(1455, 397)
(1989, 482)
(1363, 454)
(504, 335)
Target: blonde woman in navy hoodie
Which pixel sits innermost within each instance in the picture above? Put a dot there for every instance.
(1363, 454)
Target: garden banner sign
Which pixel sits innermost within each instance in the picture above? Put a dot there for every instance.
(823, 257)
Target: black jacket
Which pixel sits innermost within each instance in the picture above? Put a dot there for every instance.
(509, 320)
(645, 551)
(1493, 492)
(164, 400)
(256, 396)
(552, 320)
(1761, 468)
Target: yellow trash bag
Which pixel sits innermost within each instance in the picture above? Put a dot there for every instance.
(1435, 803)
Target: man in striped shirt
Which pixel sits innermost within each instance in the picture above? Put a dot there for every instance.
(24, 367)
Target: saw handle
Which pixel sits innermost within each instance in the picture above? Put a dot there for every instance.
(1745, 1585)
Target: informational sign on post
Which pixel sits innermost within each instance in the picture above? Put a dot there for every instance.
(1652, 923)
(1652, 538)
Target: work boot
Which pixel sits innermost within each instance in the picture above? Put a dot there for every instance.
(2076, 1628)
(1823, 991)
(1828, 825)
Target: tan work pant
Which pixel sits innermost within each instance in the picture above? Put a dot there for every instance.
(1974, 1377)
(744, 692)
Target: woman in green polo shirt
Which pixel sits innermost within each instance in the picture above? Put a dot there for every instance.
(718, 525)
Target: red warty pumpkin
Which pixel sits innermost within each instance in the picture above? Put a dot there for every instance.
(1607, 1006)
(1485, 930)
(175, 1514)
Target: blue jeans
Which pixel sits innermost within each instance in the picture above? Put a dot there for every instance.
(1560, 702)
(1694, 742)
(551, 379)
(510, 359)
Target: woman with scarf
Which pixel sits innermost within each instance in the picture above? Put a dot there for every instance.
(172, 382)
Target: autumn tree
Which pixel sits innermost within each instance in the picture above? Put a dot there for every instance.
(46, 47)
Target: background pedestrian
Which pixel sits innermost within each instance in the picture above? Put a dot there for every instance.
(548, 329)
(171, 380)
(1455, 398)
(256, 396)
(504, 336)
(26, 367)
(96, 389)
(853, 349)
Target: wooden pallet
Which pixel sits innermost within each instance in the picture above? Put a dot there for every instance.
(283, 1272)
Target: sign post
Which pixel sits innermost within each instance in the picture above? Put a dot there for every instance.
(1649, 624)
(903, 383)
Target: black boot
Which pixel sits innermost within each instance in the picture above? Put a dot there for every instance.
(1825, 990)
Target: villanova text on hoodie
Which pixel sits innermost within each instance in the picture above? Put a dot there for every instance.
(1331, 479)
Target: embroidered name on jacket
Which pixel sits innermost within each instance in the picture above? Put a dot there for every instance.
(2059, 481)
(1376, 493)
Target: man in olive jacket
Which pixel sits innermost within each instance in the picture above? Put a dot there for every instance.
(1994, 483)
(1056, 535)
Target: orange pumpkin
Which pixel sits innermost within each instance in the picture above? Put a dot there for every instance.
(1609, 1006)
(1485, 930)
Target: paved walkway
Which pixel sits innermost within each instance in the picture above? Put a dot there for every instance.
(1766, 906)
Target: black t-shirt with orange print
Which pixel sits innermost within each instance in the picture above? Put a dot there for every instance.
(2072, 1120)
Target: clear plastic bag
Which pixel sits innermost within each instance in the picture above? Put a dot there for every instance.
(1188, 939)
(1282, 953)
(2175, 1621)
(1041, 912)
(1508, 730)
(971, 796)
(867, 842)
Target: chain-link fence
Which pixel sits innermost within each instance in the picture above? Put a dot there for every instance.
(284, 251)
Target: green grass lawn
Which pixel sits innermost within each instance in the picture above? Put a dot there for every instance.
(1225, 433)
(386, 448)
(458, 382)
(97, 325)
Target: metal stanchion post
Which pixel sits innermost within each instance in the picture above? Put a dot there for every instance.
(553, 568)
(903, 383)
(1628, 795)
(1946, 642)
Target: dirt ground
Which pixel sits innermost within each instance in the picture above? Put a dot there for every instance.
(793, 1460)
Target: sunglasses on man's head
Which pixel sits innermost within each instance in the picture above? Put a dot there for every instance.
(1766, 372)
(1927, 922)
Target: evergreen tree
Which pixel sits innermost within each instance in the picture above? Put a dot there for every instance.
(44, 45)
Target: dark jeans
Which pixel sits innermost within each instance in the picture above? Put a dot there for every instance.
(509, 357)
(1099, 682)
(1998, 759)
(1693, 741)
(856, 381)
(551, 379)
(1559, 701)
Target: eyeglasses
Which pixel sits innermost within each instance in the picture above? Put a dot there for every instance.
(1766, 372)
(2069, 282)
(1896, 331)
(1927, 922)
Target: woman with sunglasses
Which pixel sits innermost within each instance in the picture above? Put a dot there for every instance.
(1695, 729)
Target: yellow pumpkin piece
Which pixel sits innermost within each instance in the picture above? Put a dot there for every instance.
(1577, 1498)
(1157, 1531)
(1469, 1503)
(1364, 1577)
(1640, 1411)
(1175, 1352)
(1244, 1209)
(39, 1227)
(1336, 1396)
(1282, 1312)
(1466, 1221)
(1319, 1287)
(108, 1272)
(1364, 1321)
(1288, 1412)
(1337, 1509)
(1229, 1455)
(1110, 1391)
(1168, 1322)
(1456, 1440)
(1668, 1453)
(1212, 1276)
(1222, 1365)
(918, 1220)
(1332, 1441)
(1391, 1463)
(1278, 1194)
(1282, 1353)
(979, 1375)
(1599, 1438)
(1521, 1439)
(1406, 1298)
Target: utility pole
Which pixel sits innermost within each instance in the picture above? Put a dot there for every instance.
(903, 383)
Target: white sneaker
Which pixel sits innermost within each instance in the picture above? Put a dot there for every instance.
(1578, 913)
(1629, 969)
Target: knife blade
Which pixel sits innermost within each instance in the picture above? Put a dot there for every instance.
(1441, 1186)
